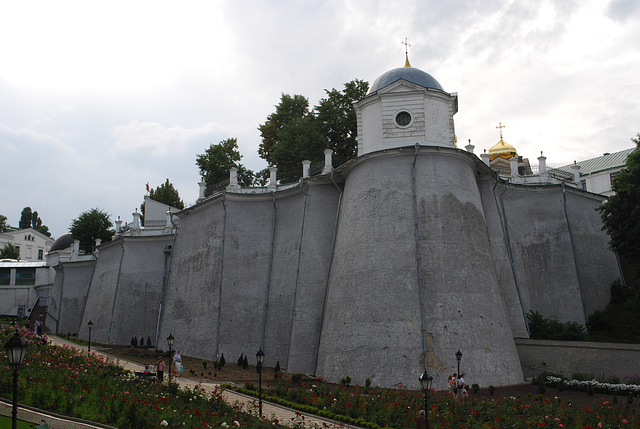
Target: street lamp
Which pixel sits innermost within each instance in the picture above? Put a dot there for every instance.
(260, 359)
(425, 384)
(170, 341)
(90, 326)
(16, 349)
(458, 358)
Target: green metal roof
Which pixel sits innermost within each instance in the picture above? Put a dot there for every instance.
(601, 163)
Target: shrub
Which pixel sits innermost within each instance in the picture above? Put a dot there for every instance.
(542, 387)
(148, 341)
(245, 363)
(475, 387)
(630, 398)
(296, 378)
(345, 381)
(241, 359)
(222, 361)
(492, 390)
(367, 383)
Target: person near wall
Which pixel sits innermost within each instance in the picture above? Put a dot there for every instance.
(177, 363)
(160, 369)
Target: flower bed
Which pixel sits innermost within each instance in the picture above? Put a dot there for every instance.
(69, 382)
(379, 408)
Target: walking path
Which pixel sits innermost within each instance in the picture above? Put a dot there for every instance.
(283, 415)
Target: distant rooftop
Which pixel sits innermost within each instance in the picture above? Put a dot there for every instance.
(601, 163)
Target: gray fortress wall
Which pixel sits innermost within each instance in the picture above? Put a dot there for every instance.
(68, 295)
(257, 283)
(374, 306)
(559, 258)
(124, 296)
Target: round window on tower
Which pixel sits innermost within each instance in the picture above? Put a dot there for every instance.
(403, 119)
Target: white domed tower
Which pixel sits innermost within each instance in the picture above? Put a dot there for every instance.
(412, 279)
(403, 107)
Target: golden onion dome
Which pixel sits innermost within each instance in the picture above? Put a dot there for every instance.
(502, 149)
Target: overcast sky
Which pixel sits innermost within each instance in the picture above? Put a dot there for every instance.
(99, 98)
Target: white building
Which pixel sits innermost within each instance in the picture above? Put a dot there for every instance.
(33, 245)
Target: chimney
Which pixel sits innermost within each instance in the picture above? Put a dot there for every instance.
(485, 157)
(273, 182)
(469, 147)
(328, 166)
(233, 180)
(542, 164)
(203, 186)
(305, 168)
(136, 220)
(118, 225)
(98, 241)
(513, 163)
(576, 172)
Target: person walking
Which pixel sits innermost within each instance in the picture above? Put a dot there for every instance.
(160, 369)
(177, 363)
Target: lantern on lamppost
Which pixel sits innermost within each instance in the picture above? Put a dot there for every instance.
(458, 358)
(425, 383)
(260, 360)
(16, 349)
(170, 341)
(90, 326)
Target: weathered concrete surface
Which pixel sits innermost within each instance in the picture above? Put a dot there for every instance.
(68, 296)
(571, 357)
(259, 283)
(124, 296)
(373, 308)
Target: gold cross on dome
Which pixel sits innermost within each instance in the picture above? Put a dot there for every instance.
(500, 127)
(406, 52)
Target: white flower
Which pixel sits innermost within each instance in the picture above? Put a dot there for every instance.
(236, 423)
(224, 425)
(164, 423)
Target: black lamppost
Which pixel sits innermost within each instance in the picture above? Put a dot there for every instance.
(260, 358)
(16, 349)
(425, 384)
(170, 341)
(90, 326)
(458, 358)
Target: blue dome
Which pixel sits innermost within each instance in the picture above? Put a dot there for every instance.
(410, 74)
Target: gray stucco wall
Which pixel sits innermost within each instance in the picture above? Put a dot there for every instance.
(68, 295)
(373, 308)
(268, 279)
(571, 357)
(125, 292)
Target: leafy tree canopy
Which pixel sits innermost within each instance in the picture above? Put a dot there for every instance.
(90, 225)
(621, 212)
(3, 223)
(294, 132)
(9, 251)
(216, 162)
(30, 219)
(166, 194)
(337, 117)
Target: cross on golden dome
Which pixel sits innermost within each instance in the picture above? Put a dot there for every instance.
(500, 127)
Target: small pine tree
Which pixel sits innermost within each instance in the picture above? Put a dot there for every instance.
(245, 363)
(222, 361)
(541, 386)
(148, 341)
(241, 359)
(630, 398)
(133, 342)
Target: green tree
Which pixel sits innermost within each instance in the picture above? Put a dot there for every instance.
(621, 212)
(26, 217)
(337, 117)
(3, 223)
(9, 251)
(216, 162)
(31, 219)
(166, 194)
(291, 135)
(91, 225)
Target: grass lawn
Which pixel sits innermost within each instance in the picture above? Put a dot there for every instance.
(5, 422)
